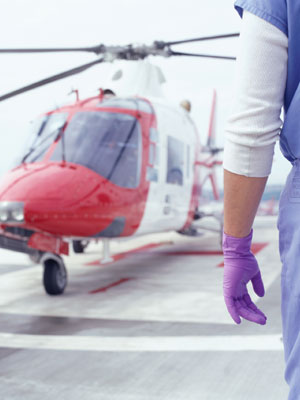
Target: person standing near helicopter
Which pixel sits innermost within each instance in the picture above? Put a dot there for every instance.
(268, 77)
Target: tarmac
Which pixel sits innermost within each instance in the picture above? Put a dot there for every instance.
(149, 325)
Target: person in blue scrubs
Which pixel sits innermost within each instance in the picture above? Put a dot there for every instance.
(269, 70)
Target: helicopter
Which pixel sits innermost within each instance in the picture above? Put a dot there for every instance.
(126, 162)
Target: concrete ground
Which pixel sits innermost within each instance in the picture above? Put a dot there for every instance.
(151, 325)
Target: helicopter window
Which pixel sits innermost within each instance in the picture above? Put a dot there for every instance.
(175, 161)
(37, 125)
(151, 154)
(45, 129)
(152, 174)
(154, 138)
(129, 104)
(107, 143)
(152, 170)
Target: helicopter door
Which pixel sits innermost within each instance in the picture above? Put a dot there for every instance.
(166, 203)
(169, 172)
(154, 218)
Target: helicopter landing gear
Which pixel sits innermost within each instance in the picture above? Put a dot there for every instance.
(106, 258)
(197, 228)
(36, 256)
(79, 246)
(55, 274)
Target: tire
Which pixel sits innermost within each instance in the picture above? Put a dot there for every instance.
(79, 246)
(55, 276)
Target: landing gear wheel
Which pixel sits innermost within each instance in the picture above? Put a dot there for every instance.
(55, 275)
(79, 246)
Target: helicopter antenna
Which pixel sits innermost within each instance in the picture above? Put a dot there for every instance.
(76, 91)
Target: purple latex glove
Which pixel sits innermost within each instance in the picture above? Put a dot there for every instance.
(240, 267)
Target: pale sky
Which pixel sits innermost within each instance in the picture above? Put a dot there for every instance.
(55, 23)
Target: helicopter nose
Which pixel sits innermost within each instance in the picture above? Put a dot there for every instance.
(63, 182)
(58, 198)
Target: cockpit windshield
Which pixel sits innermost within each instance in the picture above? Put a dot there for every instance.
(105, 142)
(45, 130)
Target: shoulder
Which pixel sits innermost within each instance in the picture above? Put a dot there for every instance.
(272, 11)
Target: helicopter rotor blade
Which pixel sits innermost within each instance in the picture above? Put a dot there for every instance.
(50, 79)
(202, 39)
(176, 53)
(101, 48)
(95, 49)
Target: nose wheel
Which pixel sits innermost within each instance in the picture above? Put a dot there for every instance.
(55, 274)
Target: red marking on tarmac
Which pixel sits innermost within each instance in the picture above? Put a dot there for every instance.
(120, 256)
(105, 288)
(193, 253)
(255, 248)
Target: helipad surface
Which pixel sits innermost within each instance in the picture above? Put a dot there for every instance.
(151, 325)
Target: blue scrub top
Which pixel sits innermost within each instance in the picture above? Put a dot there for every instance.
(285, 15)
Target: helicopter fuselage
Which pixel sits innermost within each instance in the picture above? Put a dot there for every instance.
(113, 168)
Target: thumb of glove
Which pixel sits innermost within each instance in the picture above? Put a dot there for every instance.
(258, 285)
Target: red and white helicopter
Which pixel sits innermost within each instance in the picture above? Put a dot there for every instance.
(126, 162)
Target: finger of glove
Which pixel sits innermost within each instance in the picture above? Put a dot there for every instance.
(231, 307)
(253, 307)
(258, 285)
(249, 314)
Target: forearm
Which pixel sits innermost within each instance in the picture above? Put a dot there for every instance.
(242, 196)
(254, 124)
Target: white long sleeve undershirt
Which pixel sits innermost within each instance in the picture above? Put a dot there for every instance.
(254, 124)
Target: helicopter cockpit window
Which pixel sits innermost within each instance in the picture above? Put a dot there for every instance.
(175, 161)
(129, 104)
(107, 143)
(45, 130)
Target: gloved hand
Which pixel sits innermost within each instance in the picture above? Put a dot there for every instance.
(240, 267)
